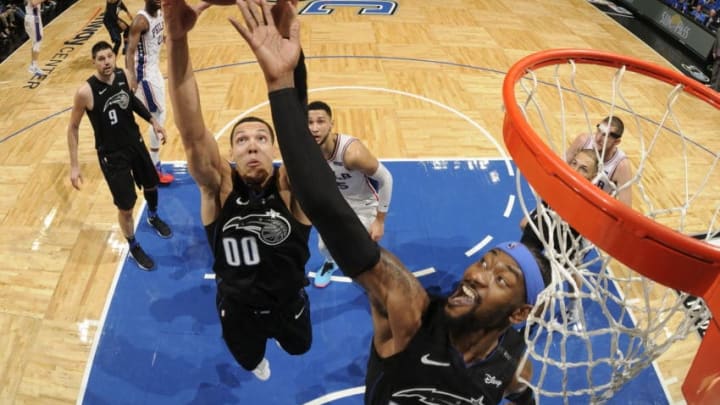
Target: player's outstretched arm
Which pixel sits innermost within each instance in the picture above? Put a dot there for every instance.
(397, 298)
(139, 25)
(205, 164)
(359, 157)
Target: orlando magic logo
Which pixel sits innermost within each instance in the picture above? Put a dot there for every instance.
(432, 396)
(271, 227)
(121, 98)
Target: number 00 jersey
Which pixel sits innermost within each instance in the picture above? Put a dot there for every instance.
(112, 114)
(431, 371)
(260, 248)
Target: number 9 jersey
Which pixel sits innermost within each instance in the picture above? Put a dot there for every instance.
(112, 115)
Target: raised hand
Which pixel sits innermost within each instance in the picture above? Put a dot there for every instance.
(276, 55)
(283, 16)
(180, 18)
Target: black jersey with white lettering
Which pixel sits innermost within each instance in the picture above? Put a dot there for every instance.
(112, 114)
(260, 248)
(431, 371)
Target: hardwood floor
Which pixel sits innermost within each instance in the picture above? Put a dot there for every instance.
(412, 83)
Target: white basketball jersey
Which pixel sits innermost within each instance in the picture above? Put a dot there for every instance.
(354, 185)
(32, 11)
(147, 57)
(608, 166)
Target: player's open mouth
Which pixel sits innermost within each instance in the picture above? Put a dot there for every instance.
(464, 295)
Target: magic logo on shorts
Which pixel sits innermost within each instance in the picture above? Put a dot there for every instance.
(271, 227)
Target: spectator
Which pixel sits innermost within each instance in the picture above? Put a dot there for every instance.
(715, 76)
(713, 21)
(7, 20)
(698, 14)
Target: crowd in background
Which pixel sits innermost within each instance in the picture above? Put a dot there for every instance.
(704, 12)
(12, 16)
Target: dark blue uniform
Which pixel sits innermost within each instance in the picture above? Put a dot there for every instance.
(431, 371)
(260, 253)
(124, 158)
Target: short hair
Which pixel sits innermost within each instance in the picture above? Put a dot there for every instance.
(251, 119)
(592, 155)
(320, 105)
(617, 123)
(100, 46)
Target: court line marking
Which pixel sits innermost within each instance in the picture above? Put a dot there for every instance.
(332, 396)
(509, 206)
(383, 58)
(479, 246)
(103, 317)
(467, 119)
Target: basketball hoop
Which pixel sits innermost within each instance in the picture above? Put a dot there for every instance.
(637, 239)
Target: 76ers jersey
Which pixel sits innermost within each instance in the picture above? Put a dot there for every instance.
(608, 166)
(354, 185)
(260, 248)
(147, 57)
(431, 371)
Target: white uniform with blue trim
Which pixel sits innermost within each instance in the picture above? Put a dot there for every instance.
(151, 86)
(354, 185)
(607, 166)
(33, 24)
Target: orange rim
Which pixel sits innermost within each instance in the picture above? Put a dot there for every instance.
(652, 249)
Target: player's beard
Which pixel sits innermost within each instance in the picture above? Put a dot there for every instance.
(472, 322)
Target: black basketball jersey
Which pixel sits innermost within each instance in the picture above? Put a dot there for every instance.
(564, 236)
(260, 248)
(111, 12)
(112, 114)
(431, 371)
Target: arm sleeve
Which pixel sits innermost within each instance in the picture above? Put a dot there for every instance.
(300, 77)
(139, 109)
(385, 186)
(314, 186)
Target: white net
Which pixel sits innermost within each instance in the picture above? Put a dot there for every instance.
(599, 323)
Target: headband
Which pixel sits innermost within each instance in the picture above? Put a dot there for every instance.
(534, 283)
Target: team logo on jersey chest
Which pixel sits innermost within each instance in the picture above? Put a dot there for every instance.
(120, 98)
(271, 227)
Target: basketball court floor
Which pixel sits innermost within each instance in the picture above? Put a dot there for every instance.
(419, 82)
(160, 339)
